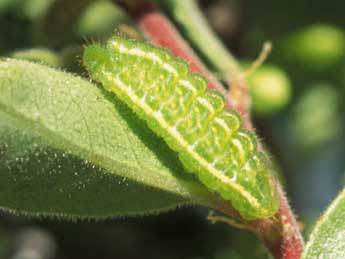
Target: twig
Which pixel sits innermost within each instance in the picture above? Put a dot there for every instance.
(266, 49)
(280, 234)
(238, 92)
(191, 19)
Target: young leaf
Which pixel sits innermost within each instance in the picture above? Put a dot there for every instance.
(328, 237)
(69, 149)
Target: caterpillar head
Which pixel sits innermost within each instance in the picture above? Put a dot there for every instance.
(96, 60)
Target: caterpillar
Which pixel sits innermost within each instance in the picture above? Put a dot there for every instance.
(210, 141)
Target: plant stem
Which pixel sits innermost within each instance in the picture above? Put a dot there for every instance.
(280, 234)
(189, 16)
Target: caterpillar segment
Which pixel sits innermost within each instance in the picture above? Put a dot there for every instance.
(210, 141)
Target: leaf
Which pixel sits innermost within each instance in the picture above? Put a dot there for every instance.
(67, 148)
(327, 239)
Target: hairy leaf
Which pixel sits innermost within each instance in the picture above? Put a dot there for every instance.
(69, 149)
(328, 237)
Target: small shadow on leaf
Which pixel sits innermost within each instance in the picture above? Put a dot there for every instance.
(156, 144)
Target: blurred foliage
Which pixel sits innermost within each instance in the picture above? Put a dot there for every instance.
(316, 47)
(8, 5)
(34, 9)
(5, 242)
(306, 135)
(315, 118)
(44, 56)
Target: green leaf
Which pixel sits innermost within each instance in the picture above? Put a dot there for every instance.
(327, 239)
(67, 148)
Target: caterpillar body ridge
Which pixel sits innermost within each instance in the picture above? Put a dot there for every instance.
(210, 141)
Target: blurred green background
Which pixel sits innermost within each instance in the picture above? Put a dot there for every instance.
(298, 110)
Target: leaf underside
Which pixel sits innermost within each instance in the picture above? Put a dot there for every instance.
(328, 237)
(67, 148)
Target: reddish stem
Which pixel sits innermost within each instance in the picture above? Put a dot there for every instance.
(280, 234)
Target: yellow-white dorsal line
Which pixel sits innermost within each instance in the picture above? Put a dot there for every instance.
(206, 104)
(187, 84)
(223, 124)
(239, 146)
(246, 166)
(140, 53)
(215, 172)
(249, 139)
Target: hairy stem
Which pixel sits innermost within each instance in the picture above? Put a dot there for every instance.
(280, 234)
(197, 29)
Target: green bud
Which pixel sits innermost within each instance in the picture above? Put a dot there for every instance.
(99, 18)
(270, 89)
(34, 9)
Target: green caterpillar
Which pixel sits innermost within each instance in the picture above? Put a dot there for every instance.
(210, 141)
